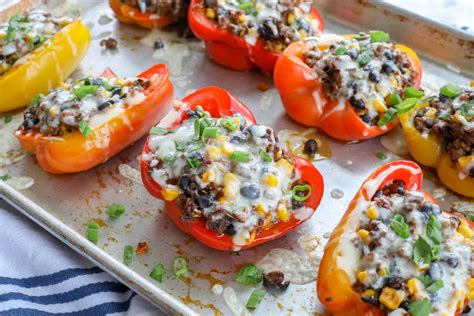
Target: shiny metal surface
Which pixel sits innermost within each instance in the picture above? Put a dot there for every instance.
(64, 204)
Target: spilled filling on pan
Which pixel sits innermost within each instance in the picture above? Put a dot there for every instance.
(232, 174)
(23, 34)
(277, 22)
(82, 104)
(366, 70)
(450, 118)
(405, 255)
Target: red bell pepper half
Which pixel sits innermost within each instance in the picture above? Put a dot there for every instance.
(130, 15)
(220, 103)
(73, 152)
(230, 50)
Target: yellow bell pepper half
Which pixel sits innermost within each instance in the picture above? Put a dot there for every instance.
(428, 151)
(45, 67)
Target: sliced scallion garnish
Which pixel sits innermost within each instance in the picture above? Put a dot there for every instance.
(249, 274)
(399, 226)
(450, 90)
(412, 92)
(255, 299)
(85, 129)
(433, 230)
(341, 50)
(211, 132)
(115, 210)
(388, 116)
(381, 155)
(265, 156)
(395, 99)
(435, 286)
(85, 91)
(37, 99)
(5, 177)
(240, 156)
(93, 232)
(157, 130)
(229, 124)
(158, 272)
(180, 267)
(128, 255)
(301, 188)
(379, 36)
(406, 105)
(363, 59)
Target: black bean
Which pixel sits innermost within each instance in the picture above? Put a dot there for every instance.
(304, 24)
(466, 310)
(184, 182)
(116, 91)
(388, 68)
(372, 300)
(238, 139)
(250, 191)
(395, 282)
(105, 104)
(435, 271)
(443, 98)
(357, 103)
(366, 118)
(230, 230)
(205, 201)
(451, 259)
(389, 55)
(158, 44)
(310, 147)
(353, 53)
(28, 123)
(268, 30)
(374, 77)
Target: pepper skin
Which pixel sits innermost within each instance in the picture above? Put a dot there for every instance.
(306, 102)
(73, 152)
(220, 103)
(334, 287)
(230, 50)
(46, 66)
(428, 151)
(130, 15)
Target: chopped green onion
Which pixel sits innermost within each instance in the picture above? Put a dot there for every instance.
(265, 156)
(450, 90)
(411, 92)
(249, 274)
(197, 128)
(128, 255)
(240, 156)
(379, 36)
(388, 116)
(85, 129)
(399, 226)
(435, 286)
(444, 116)
(8, 119)
(363, 59)
(5, 177)
(406, 105)
(420, 307)
(115, 210)
(93, 232)
(435, 252)
(246, 6)
(395, 99)
(211, 132)
(229, 124)
(158, 272)
(180, 267)
(433, 230)
(196, 144)
(360, 37)
(37, 99)
(38, 40)
(341, 50)
(301, 188)
(180, 146)
(425, 279)
(85, 91)
(469, 217)
(157, 130)
(255, 299)
(381, 155)
(199, 111)
(467, 109)
(170, 158)
(193, 162)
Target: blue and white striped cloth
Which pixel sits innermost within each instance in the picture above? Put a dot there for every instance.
(41, 276)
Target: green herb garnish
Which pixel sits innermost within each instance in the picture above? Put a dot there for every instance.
(5, 177)
(85, 129)
(381, 155)
(211, 132)
(249, 274)
(395, 99)
(180, 267)
(265, 156)
(301, 188)
(450, 90)
(240, 156)
(420, 307)
(341, 50)
(435, 286)
(246, 7)
(229, 124)
(425, 279)
(115, 210)
(399, 226)
(379, 36)
(424, 251)
(160, 131)
(255, 299)
(412, 92)
(93, 232)
(406, 105)
(433, 230)
(128, 255)
(158, 272)
(363, 59)
(37, 99)
(467, 109)
(388, 116)
(469, 217)
(170, 158)
(84, 91)
(8, 119)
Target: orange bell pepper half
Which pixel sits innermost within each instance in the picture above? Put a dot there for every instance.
(130, 15)
(73, 152)
(219, 103)
(230, 50)
(306, 102)
(334, 287)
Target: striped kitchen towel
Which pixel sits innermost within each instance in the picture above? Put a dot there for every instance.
(41, 276)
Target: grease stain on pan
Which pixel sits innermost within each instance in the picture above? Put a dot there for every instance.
(294, 142)
(188, 300)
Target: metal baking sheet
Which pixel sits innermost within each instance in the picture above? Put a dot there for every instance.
(64, 204)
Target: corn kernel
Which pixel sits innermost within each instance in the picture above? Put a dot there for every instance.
(363, 276)
(414, 286)
(464, 230)
(379, 106)
(229, 177)
(460, 294)
(364, 235)
(252, 236)
(242, 18)
(259, 7)
(470, 283)
(303, 33)
(236, 121)
(285, 166)
(282, 213)
(208, 176)
(227, 150)
(383, 271)
(431, 113)
(210, 13)
(372, 213)
(260, 208)
(270, 180)
(391, 298)
(291, 18)
(464, 161)
(229, 191)
(62, 84)
(369, 293)
(213, 152)
(470, 295)
(169, 194)
(54, 110)
(278, 47)
(354, 45)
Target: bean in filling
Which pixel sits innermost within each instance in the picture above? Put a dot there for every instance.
(405, 253)
(232, 174)
(278, 23)
(365, 70)
(22, 34)
(450, 118)
(77, 104)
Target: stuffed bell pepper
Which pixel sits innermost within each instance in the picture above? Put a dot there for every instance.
(396, 253)
(37, 51)
(352, 86)
(85, 122)
(242, 35)
(148, 13)
(224, 178)
(439, 133)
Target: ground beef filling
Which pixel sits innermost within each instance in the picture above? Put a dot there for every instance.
(278, 23)
(363, 72)
(440, 119)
